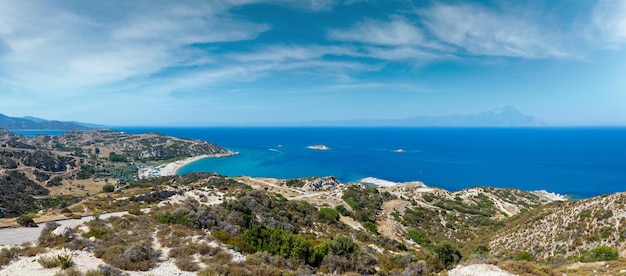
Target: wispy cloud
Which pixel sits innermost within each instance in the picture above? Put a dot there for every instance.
(62, 46)
(609, 20)
(395, 32)
(276, 53)
(442, 31)
(477, 30)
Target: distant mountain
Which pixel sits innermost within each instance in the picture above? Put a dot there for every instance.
(504, 117)
(13, 123)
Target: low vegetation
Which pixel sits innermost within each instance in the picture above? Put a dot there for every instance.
(214, 225)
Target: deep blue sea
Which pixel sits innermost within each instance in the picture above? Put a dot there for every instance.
(580, 162)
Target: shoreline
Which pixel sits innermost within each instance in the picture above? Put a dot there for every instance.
(172, 168)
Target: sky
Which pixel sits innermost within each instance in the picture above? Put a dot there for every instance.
(233, 62)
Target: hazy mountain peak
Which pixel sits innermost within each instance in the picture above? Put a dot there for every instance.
(506, 116)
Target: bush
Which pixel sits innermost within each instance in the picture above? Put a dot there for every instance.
(371, 227)
(69, 272)
(65, 261)
(343, 211)
(48, 262)
(108, 188)
(105, 270)
(418, 237)
(135, 257)
(526, 268)
(328, 215)
(7, 255)
(98, 233)
(600, 253)
(448, 254)
(26, 221)
(185, 264)
(343, 246)
(524, 256)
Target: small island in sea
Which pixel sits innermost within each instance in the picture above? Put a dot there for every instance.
(318, 147)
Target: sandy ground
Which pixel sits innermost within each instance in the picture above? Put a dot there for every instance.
(173, 167)
(478, 270)
(83, 261)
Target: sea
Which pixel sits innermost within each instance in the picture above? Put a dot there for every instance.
(578, 162)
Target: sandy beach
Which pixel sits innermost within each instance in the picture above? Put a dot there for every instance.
(173, 167)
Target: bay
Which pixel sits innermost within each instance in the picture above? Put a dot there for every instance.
(581, 162)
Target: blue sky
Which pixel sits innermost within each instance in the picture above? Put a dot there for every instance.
(252, 61)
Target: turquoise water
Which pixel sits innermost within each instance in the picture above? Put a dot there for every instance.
(581, 162)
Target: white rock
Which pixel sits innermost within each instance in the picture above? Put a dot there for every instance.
(63, 230)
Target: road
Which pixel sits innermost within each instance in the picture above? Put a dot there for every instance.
(18, 236)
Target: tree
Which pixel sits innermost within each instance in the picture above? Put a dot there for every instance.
(26, 221)
(448, 254)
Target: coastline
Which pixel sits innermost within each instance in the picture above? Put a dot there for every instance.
(172, 168)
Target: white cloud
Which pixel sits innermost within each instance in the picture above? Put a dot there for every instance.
(69, 46)
(395, 32)
(485, 32)
(609, 19)
(405, 53)
(283, 53)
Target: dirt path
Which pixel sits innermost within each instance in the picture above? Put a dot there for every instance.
(253, 181)
(387, 225)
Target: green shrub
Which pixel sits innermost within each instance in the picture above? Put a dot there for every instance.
(343, 246)
(448, 254)
(524, 256)
(327, 214)
(275, 241)
(370, 226)
(343, 211)
(97, 233)
(600, 253)
(418, 237)
(65, 261)
(108, 188)
(26, 221)
(428, 197)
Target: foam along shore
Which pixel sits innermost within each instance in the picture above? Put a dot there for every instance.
(173, 167)
(550, 196)
(386, 183)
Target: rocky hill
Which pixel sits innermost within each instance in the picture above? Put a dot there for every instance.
(565, 229)
(77, 163)
(219, 225)
(150, 146)
(13, 123)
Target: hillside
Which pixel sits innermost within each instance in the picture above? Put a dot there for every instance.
(565, 229)
(215, 225)
(78, 163)
(25, 123)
